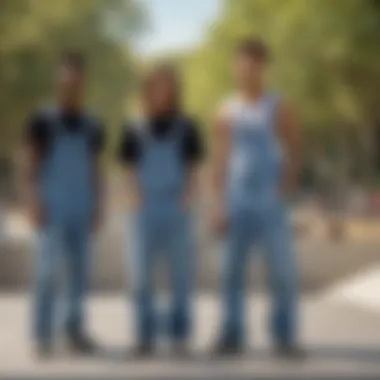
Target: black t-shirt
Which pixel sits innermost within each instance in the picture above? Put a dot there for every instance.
(192, 147)
(39, 129)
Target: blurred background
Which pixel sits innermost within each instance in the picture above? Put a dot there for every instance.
(325, 60)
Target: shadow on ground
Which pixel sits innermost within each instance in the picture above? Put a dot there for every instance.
(319, 353)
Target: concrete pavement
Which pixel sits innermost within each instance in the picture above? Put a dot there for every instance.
(342, 340)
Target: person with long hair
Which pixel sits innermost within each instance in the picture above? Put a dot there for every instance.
(162, 151)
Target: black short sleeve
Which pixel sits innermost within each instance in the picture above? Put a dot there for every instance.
(98, 140)
(37, 132)
(130, 146)
(193, 148)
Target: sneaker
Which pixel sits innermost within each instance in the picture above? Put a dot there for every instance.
(143, 350)
(290, 352)
(180, 348)
(226, 348)
(44, 350)
(82, 344)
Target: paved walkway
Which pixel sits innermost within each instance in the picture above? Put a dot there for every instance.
(361, 289)
(341, 339)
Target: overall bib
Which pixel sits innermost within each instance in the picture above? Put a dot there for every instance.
(257, 215)
(66, 192)
(162, 228)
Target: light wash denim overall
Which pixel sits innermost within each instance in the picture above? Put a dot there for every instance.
(66, 190)
(162, 231)
(257, 216)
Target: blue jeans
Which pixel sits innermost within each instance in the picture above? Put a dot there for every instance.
(57, 246)
(270, 228)
(159, 233)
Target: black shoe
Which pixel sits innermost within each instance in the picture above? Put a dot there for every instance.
(290, 352)
(44, 350)
(82, 344)
(226, 348)
(180, 349)
(143, 350)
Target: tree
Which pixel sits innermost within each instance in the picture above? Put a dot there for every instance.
(325, 60)
(33, 35)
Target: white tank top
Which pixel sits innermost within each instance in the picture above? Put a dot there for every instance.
(255, 158)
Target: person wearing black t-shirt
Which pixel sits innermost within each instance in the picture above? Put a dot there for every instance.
(163, 151)
(63, 144)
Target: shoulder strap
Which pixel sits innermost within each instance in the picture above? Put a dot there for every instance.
(272, 100)
(229, 106)
(90, 124)
(52, 115)
(140, 126)
(181, 127)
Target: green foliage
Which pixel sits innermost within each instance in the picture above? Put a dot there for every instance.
(325, 60)
(33, 33)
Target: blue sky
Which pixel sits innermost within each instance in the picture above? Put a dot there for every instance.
(176, 24)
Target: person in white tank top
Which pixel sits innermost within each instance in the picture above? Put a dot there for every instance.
(255, 165)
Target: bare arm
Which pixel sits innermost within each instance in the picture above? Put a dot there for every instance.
(98, 194)
(289, 135)
(193, 152)
(31, 164)
(192, 186)
(98, 145)
(220, 151)
(133, 189)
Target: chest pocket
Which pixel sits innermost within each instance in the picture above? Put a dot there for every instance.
(73, 153)
(256, 156)
(66, 176)
(161, 172)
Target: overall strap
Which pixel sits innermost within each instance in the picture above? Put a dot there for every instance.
(89, 125)
(58, 126)
(177, 131)
(272, 100)
(141, 127)
(53, 116)
(85, 129)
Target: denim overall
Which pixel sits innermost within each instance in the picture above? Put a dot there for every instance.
(66, 191)
(162, 228)
(257, 215)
